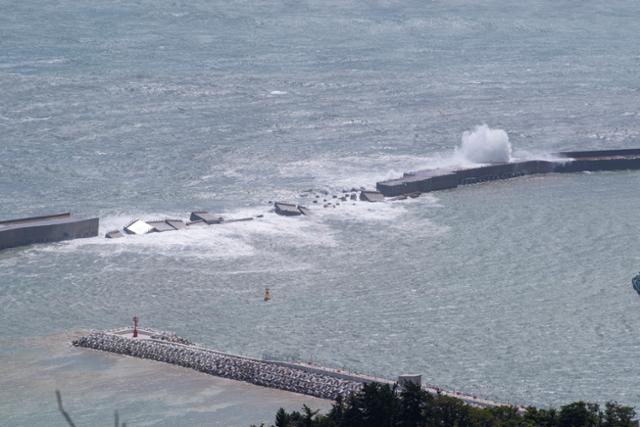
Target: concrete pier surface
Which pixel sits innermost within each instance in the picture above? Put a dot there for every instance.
(303, 378)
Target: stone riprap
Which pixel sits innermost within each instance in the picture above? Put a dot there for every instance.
(169, 348)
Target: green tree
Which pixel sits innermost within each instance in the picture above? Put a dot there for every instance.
(282, 418)
(374, 406)
(413, 403)
(307, 417)
(447, 411)
(618, 416)
(541, 417)
(381, 405)
(336, 414)
(579, 414)
(505, 416)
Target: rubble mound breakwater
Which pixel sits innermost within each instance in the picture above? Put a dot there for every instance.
(169, 348)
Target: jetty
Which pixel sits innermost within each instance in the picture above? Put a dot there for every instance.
(303, 378)
(45, 229)
(427, 180)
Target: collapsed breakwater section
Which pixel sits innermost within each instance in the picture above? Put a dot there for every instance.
(300, 378)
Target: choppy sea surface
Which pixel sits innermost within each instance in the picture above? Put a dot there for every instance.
(517, 290)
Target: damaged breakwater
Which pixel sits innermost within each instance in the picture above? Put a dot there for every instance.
(424, 181)
(168, 348)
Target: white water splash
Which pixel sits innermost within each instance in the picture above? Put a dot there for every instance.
(485, 145)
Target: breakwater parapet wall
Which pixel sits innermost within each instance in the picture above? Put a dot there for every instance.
(424, 181)
(300, 378)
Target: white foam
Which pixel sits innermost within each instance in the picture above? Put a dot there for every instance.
(360, 211)
(238, 239)
(354, 172)
(357, 211)
(483, 145)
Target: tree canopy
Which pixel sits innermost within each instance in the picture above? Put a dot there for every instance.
(383, 405)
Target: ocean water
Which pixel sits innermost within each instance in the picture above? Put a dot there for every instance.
(517, 291)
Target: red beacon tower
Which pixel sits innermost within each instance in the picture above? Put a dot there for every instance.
(135, 326)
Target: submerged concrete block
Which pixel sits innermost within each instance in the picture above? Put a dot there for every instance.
(114, 234)
(371, 196)
(304, 211)
(161, 226)
(290, 209)
(287, 209)
(138, 226)
(207, 217)
(178, 224)
(227, 221)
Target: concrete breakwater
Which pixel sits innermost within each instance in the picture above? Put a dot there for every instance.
(300, 378)
(424, 181)
(169, 348)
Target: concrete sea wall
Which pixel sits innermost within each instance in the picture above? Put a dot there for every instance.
(568, 162)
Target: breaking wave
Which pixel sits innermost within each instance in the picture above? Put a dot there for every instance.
(485, 145)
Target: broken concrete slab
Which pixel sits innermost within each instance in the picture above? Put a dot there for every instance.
(161, 226)
(371, 196)
(304, 211)
(287, 209)
(290, 209)
(178, 224)
(114, 234)
(138, 226)
(207, 217)
(226, 221)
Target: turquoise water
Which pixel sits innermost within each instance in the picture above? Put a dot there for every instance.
(518, 291)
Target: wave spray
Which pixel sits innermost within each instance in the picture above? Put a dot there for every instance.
(485, 145)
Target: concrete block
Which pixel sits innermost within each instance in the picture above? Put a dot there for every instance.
(287, 209)
(114, 234)
(161, 226)
(371, 196)
(178, 224)
(229, 220)
(138, 226)
(304, 211)
(207, 217)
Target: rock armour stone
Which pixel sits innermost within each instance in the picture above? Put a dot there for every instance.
(169, 349)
